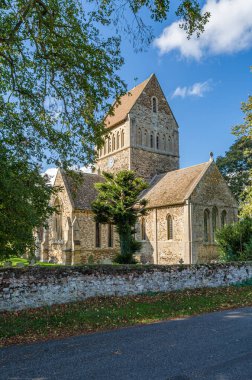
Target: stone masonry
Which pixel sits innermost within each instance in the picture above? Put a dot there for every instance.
(34, 287)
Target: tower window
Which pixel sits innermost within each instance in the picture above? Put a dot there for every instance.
(117, 140)
(169, 227)
(139, 136)
(157, 142)
(113, 142)
(122, 139)
(154, 105)
(151, 140)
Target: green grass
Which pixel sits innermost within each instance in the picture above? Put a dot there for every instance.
(25, 262)
(112, 312)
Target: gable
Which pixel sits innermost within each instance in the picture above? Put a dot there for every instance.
(63, 194)
(153, 89)
(140, 95)
(173, 187)
(122, 108)
(212, 189)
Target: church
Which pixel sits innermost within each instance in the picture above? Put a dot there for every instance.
(185, 206)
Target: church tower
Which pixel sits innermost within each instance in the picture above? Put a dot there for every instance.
(142, 134)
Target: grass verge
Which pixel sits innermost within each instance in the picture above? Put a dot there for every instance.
(104, 313)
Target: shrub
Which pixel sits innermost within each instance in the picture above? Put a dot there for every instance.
(235, 241)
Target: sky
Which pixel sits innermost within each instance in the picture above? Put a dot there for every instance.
(204, 80)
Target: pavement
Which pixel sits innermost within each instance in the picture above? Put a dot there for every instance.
(214, 346)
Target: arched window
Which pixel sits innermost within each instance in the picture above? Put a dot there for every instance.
(164, 143)
(58, 220)
(110, 235)
(118, 140)
(169, 227)
(206, 225)
(143, 229)
(151, 141)
(154, 104)
(113, 142)
(223, 218)
(145, 138)
(97, 235)
(104, 147)
(214, 221)
(122, 139)
(157, 141)
(169, 143)
(109, 144)
(139, 136)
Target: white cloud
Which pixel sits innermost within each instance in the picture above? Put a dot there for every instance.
(51, 174)
(228, 31)
(197, 89)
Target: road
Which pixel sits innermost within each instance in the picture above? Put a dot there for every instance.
(216, 346)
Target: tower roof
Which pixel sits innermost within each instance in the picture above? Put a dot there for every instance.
(122, 107)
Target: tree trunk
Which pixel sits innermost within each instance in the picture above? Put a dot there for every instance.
(125, 240)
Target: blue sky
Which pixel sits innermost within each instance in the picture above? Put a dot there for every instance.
(204, 80)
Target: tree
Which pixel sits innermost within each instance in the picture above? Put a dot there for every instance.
(235, 166)
(24, 204)
(235, 241)
(118, 203)
(244, 131)
(58, 74)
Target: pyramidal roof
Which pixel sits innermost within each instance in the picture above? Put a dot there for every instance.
(174, 187)
(122, 108)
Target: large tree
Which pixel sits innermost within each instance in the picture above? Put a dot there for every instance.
(245, 131)
(59, 71)
(24, 204)
(118, 203)
(235, 166)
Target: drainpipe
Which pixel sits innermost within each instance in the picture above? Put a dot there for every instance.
(190, 230)
(130, 138)
(156, 237)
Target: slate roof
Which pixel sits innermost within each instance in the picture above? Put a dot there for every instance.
(127, 101)
(174, 187)
(83, 195)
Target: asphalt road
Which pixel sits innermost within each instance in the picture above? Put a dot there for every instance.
(216, 346)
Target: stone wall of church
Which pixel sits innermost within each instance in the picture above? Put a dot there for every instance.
(211, 192)
(147, 164)
(120, 162)
(156, 248)
(114, 155)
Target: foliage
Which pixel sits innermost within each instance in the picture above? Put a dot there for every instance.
(104, 313)
(235, 241)
(118, 203)
(245, 131)
(235, 166)
(24, 204)
(58, 74)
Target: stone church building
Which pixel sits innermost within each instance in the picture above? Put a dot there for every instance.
(186, 206)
